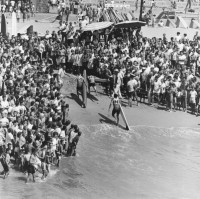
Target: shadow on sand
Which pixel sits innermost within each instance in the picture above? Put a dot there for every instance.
(75, 98)
(92, 97)
(105, 119)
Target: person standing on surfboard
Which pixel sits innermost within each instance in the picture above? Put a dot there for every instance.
(115, 101)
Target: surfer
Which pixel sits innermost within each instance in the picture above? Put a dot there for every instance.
(115, 101)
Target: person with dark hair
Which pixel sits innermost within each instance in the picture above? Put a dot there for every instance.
(115, 101)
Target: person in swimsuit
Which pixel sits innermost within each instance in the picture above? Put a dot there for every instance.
(116, 107)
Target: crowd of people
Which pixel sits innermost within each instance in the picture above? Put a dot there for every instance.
(35, 131)
(34, 128)
(24, 9)
(160, 70)
(154, 70)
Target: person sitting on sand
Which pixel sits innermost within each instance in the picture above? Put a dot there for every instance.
(116, 107)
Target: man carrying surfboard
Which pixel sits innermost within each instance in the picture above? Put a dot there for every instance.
(115, 101)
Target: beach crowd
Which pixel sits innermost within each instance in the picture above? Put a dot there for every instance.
(147, 70)
(157, 70)
(34, 128)
(24, 9)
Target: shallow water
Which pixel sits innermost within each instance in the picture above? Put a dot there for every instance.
(146, 162)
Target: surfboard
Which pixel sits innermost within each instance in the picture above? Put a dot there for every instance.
(99, 80)
(14, 24)
(124, 118)
(84, 93)
(3, 25)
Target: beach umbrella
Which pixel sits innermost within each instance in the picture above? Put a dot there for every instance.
(130, 24)
(3, 25)
(97, 26)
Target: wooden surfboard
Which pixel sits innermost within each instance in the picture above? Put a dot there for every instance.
(84, 93)
(99, 80)
(124, 118)
(3, 25)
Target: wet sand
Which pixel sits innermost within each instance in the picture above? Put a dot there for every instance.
(153, 160)
(142, 115)
(146, 162)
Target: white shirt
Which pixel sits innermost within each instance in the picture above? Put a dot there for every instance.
(4, 104)
(156, 87)
(9, 137)
(193, 95)
(131, 85)
(178, 37)
(12, 3)
(4, 121)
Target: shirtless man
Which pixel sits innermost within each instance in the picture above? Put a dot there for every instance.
(116, 107)
(80, 82)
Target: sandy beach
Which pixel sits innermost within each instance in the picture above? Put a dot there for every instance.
(157, 159)
(142, 115)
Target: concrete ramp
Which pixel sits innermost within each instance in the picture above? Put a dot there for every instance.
(170, 23)
(165, 15)
(181, 23)
(194, 24)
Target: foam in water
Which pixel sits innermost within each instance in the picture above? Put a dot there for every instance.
(145, 162)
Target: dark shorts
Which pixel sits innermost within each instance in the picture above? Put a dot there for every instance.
(130, 94)
(92, 84)
(80, 90)
(5, 167)
(116, 111)
(2, 149)
(31, 169)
